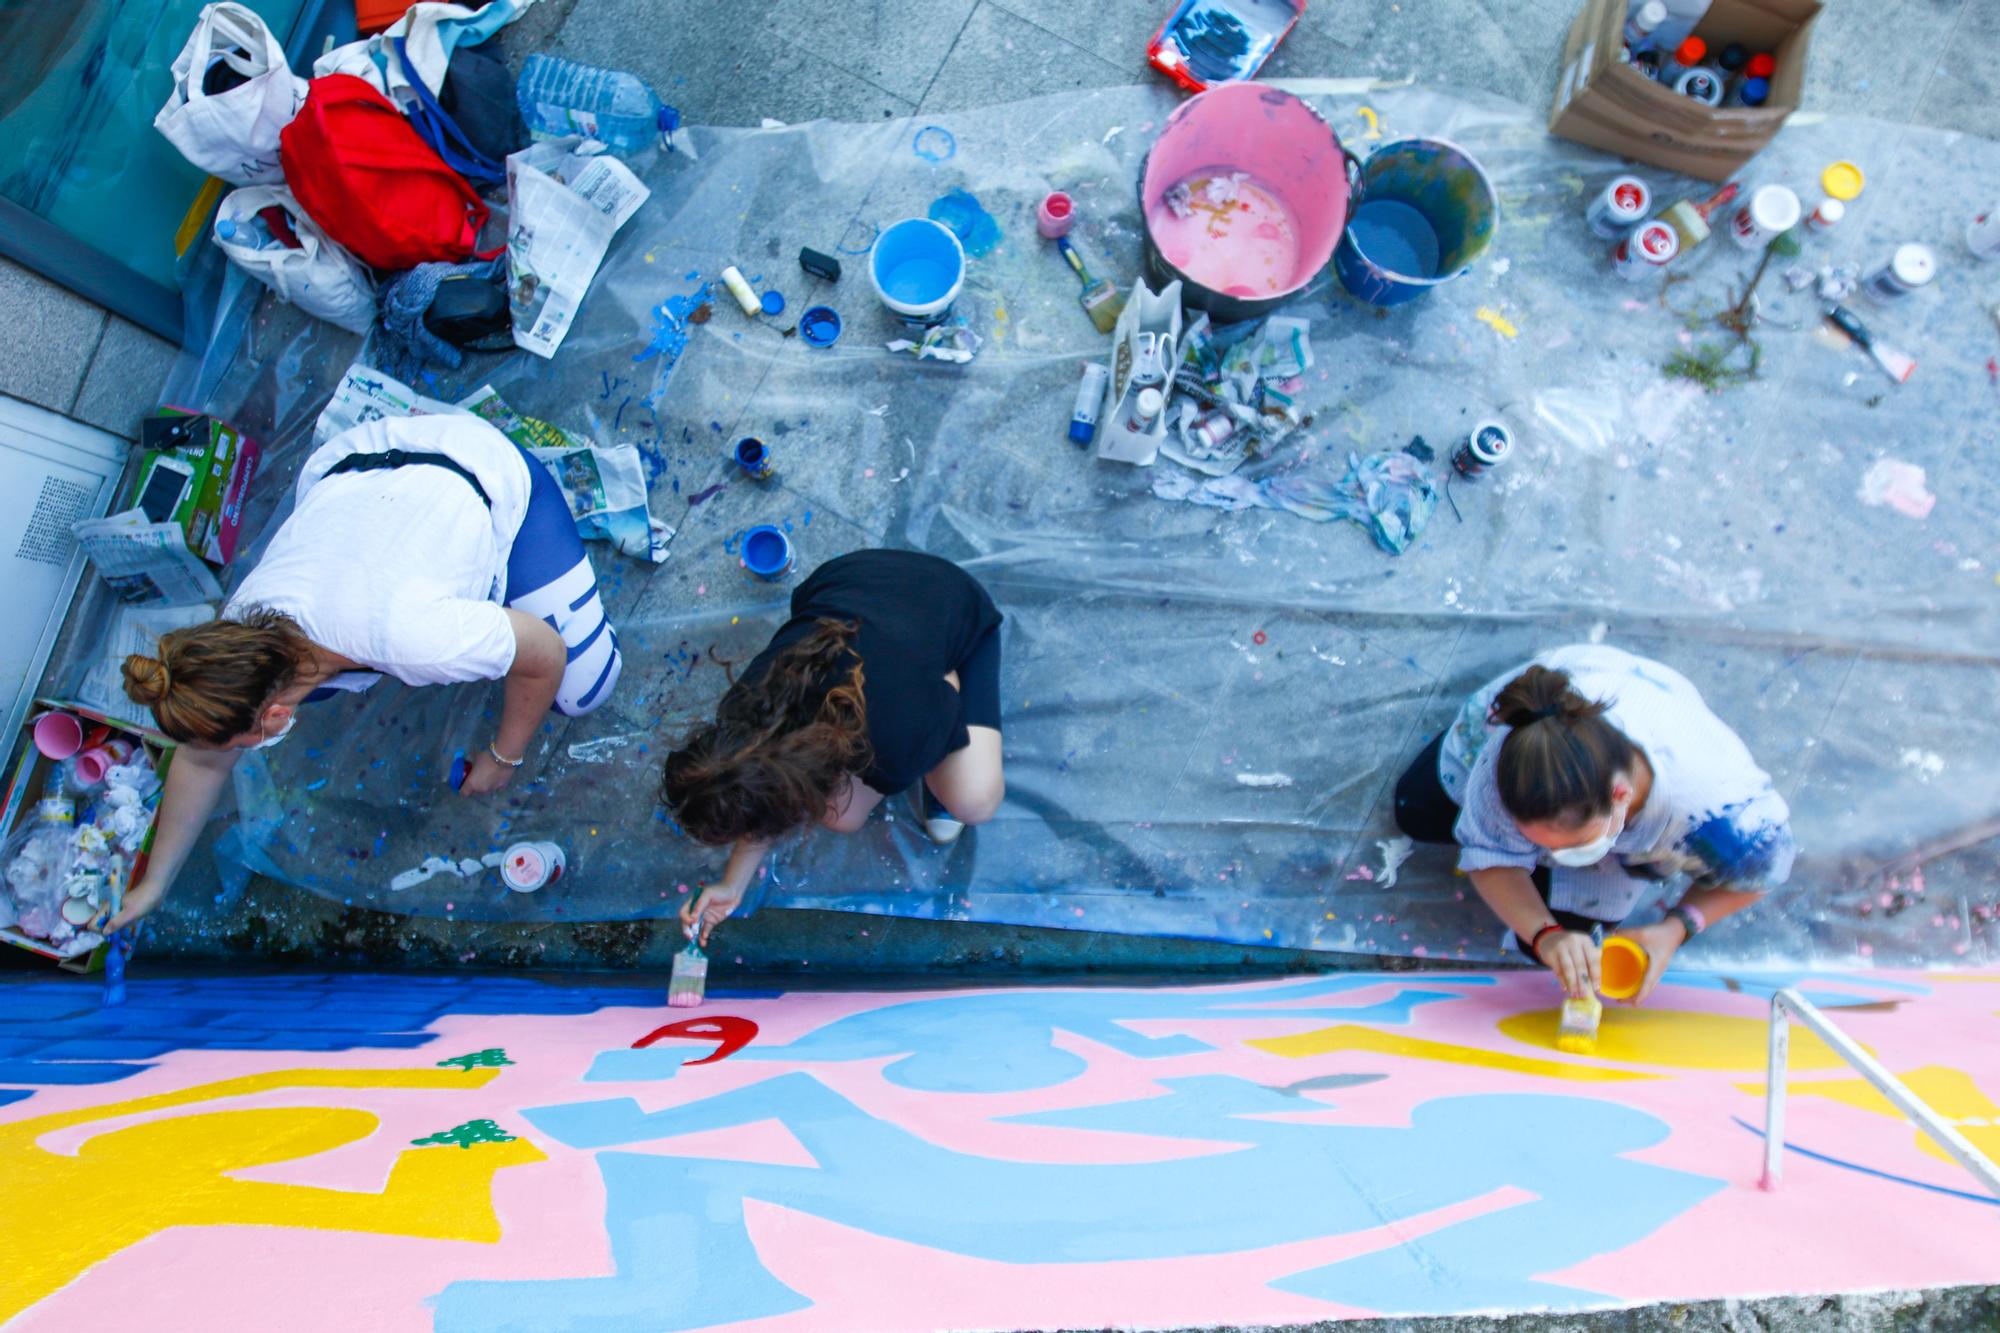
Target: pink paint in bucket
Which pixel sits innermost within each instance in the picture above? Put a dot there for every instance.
(1056, 215)
(58, 735)
(1245, 194)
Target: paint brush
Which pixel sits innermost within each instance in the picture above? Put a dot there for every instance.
(1099, 299)
(1899, 366)
(1576, 1032)
(689, 982)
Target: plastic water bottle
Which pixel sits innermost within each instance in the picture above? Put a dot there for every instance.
(560, 97)
(251, 231)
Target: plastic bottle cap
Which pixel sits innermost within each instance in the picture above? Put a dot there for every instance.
(1755, 92)
(1691, 51)
(1830, 211)
(1762, 65)
(225, 228)
(1150, 402)
(1652, 14)
(1842, 180)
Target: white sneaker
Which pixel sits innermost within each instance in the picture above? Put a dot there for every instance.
(938, 824)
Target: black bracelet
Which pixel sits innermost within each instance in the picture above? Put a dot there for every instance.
(1687, 920)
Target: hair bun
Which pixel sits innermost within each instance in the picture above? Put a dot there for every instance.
(147, 680)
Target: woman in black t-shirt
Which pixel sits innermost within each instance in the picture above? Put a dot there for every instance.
(888, 672)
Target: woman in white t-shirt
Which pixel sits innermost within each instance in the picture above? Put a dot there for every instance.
(1610, 775)
(431, 549)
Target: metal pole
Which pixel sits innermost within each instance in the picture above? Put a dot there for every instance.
(1774, 1094)
(1954, 1143)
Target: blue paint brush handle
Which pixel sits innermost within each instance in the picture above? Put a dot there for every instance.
(1075, 259)
(457, 776)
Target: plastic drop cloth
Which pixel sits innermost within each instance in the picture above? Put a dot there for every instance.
(1206, 711)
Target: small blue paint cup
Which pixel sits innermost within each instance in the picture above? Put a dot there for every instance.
(820, 326)
(753, 458)
(917, 267)
(767, 552)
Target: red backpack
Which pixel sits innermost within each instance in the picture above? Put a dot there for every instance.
(372, 183)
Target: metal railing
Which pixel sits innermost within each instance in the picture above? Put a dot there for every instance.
(1787, 1003)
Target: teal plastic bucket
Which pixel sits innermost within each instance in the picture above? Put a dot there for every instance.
(1427, 213)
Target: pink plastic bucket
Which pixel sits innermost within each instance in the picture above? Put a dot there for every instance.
(58, 735)
(1245, 195)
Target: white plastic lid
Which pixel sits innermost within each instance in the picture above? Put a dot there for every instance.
(1914, 265)
(1830, 211)
(1150, 402)
(1652, 14)
(1775, 208)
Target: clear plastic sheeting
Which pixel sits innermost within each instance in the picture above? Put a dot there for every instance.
(1206, 711)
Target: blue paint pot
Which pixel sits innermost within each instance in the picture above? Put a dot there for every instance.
(767, 552)
(1427, 213)
(820, 325)
(917, 267)
(753, 458)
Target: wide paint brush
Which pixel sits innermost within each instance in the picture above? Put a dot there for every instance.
(1099, 299)
(689, 983)
(1899, 366)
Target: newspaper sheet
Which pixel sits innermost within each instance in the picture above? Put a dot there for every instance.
(564, 202)
(133, 629)
(144, 561)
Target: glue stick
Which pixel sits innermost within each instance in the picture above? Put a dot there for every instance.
(738, 288)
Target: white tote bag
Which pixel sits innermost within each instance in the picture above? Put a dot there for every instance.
(233, 134)
(319, 277)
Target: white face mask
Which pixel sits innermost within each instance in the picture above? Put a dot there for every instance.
(283, 732)
(1594, 851)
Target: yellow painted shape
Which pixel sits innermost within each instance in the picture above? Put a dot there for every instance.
(1675, 1038)
(1496, 321)
(61, 1214)
(1367, 113)
(1354, 1037)
(195, 220)
(1952, 1093)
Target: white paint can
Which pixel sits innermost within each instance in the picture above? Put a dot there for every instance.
(1621, 206)
(527, 866)
(1770, 212)
(1911, 267)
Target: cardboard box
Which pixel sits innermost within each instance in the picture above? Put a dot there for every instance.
(32, 777)
(1603, 102)
(209, 465)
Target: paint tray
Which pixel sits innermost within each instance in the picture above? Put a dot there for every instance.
(1206, 42)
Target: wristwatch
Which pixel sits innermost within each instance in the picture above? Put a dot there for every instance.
(1690, 918)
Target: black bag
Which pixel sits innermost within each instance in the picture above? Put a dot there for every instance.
(474, 122)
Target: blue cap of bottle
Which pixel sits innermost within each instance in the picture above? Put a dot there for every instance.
(225, 227)
(1754, 92)
(1082, 432)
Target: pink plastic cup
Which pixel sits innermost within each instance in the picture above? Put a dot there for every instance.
(1056, 215)
(58, 735)
(94, 763)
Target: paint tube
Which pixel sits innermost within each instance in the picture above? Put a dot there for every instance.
(1982, 234)
(1911, 267)
(1089, 402)
(1622, 206)
(746, 298)
(1646, 251)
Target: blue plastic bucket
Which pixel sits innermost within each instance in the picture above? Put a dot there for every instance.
(917, 267)
(1427, 213)
(767, 552)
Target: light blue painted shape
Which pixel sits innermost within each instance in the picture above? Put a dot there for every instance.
(685, 1259)
(1005, 1041)
(644, 1066)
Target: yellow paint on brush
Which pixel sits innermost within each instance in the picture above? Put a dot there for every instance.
(62, 1213)
(1676, 1039)
(1354, 1037)
(1952, 1093)
(1496, 321)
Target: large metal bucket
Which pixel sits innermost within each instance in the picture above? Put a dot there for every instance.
(1243, 260)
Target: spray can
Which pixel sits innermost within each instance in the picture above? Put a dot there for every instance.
(751, 304)
(1771, 212)
(1640, 24)
(1146, 405)
(1622, 206)
(1982, 234)
(1089, 402)
(527, 866)
(1911, 267)
(1701, 83)
(1647, 250)
(1827, 216)
(1487, 447)
(753, 458)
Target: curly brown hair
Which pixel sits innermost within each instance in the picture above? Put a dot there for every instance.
(208, 682)
(781, 747)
